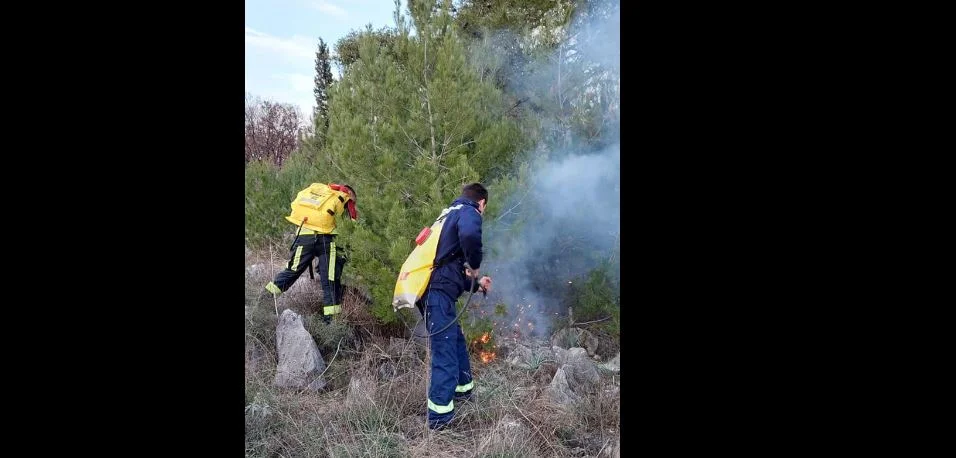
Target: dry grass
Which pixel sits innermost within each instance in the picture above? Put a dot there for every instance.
(374, 403)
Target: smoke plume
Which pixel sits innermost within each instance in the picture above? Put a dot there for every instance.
(563, 220)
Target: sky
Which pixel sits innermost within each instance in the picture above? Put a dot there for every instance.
(282, 37)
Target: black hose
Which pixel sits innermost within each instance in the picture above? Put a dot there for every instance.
(297, 234)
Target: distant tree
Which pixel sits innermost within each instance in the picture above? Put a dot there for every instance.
(272, 130)
(323, 80)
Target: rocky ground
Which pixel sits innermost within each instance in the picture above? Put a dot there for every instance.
(355, 389)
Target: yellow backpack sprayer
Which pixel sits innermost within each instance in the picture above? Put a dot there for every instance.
(416, 272)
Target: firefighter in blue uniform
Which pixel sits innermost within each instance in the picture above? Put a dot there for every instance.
(460, 243)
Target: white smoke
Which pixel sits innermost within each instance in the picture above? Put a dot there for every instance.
(565, 220)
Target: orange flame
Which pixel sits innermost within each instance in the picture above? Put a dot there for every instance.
(485, 338)
(486, 356)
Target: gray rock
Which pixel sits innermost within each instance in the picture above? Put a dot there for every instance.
(576, 377)
(582, 369)
(614, 365)
(560, 354)
(575, 337)
(560, 388)
(300, 363)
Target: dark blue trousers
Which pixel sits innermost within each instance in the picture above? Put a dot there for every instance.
(450, 369)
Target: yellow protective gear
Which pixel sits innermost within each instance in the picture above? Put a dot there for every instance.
(317, 205)
(417, 269)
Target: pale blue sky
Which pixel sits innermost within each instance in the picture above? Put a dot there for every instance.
(281, 40)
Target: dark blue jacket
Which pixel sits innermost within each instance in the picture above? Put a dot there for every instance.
(460, 241)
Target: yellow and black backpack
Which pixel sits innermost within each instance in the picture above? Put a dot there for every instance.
(316, 207)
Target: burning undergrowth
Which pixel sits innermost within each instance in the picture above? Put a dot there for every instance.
(486, 350)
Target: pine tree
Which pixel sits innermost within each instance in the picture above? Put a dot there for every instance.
(409, 126)
(323, 80)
